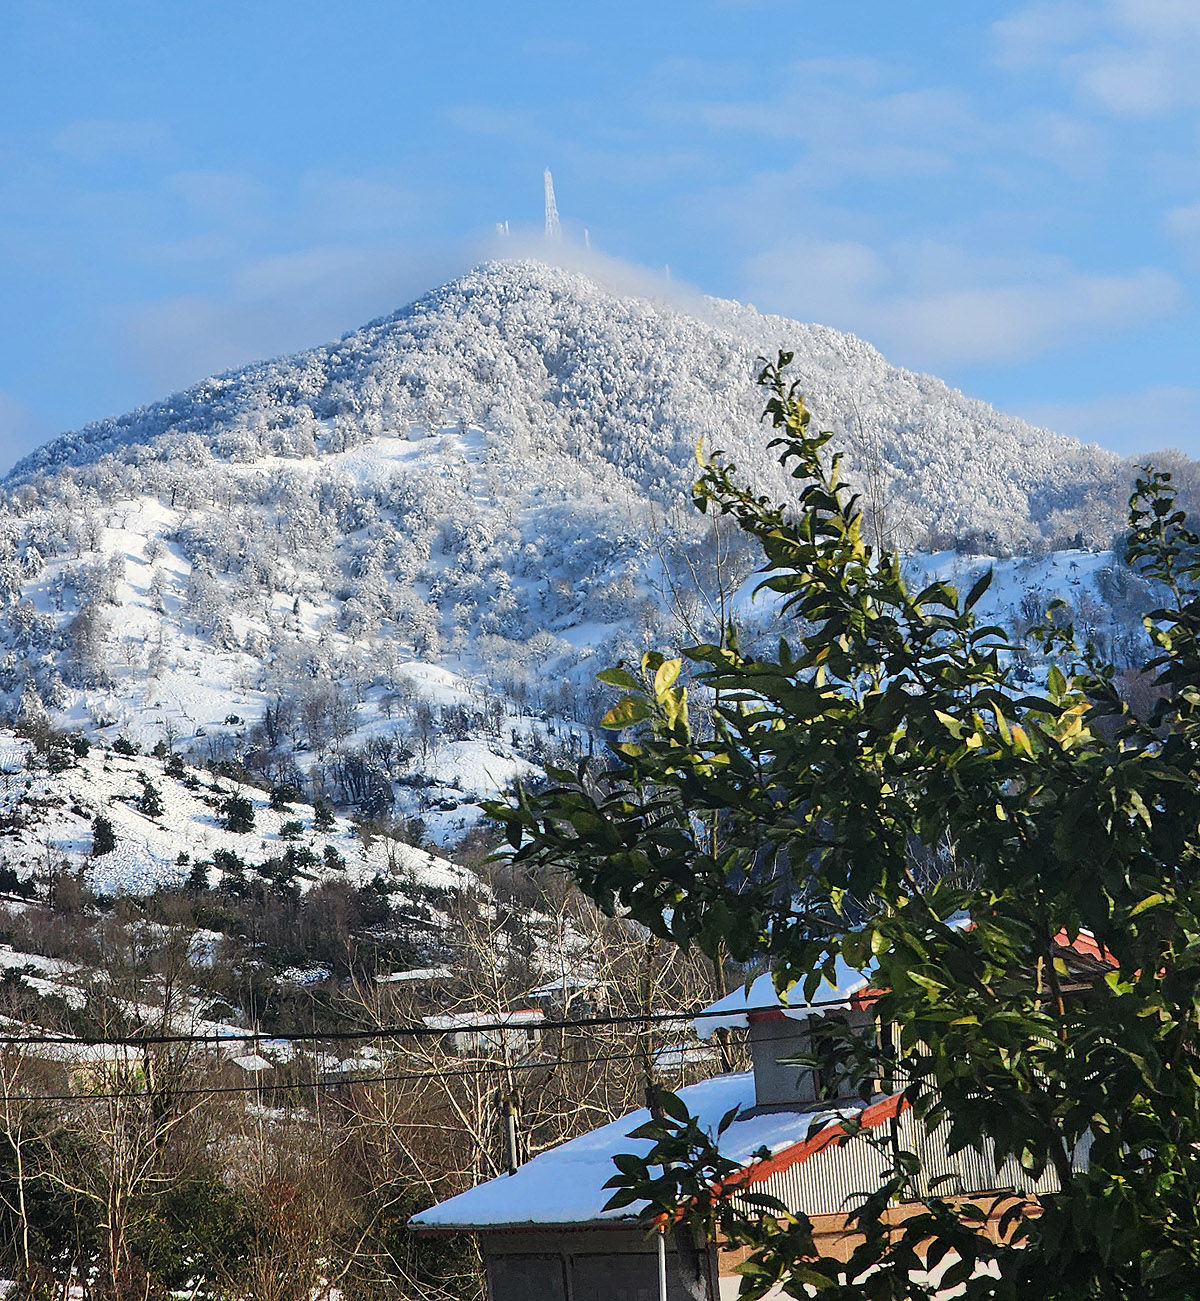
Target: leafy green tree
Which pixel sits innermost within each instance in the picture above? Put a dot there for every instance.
(197, 879)
(284, 795)
(197, 1231)
(858, 790)
(233, 872)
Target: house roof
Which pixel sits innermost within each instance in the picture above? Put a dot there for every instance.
(252, 1062)
(468, 1020)
(565, 1186)
(420, 973)
(733, 1011)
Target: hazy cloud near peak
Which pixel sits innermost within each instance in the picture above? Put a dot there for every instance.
(935, 306)
(276, 305)
(1130, 423)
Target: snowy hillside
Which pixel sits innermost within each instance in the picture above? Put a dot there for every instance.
(386, 570)
(541, 369)
(48, 813)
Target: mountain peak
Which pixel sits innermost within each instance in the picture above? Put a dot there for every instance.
(384, 570)
(613, 369)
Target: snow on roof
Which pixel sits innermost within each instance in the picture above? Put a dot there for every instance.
(419, 973)
(466, 1020)
(733, 1011)
(566, 1184)
(252, 1062)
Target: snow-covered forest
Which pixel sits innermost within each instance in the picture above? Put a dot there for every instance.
(386, 570)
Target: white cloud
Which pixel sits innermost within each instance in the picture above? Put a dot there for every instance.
(1035, 36)
(934, 306)
(357, 205)
(849, 119)
(846, 127)
(1131, 58)
(1184, 222)
(275, 305)
(1130, 83)
(492, 120)
(220, 196)
(1129, 423)
(99, 140)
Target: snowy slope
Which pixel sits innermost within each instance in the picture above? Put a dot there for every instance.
(47, 820)
(386, 570)
(553, 371)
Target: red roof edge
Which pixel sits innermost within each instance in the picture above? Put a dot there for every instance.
(833, 1135)
(1085, 944)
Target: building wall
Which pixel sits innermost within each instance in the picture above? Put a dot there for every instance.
(775, 1083)
(837, 1179)
(774, 1038)
(600, 1265)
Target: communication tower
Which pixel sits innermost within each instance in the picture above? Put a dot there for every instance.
(553, 229)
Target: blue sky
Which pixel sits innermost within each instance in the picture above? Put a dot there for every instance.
(1007, 195)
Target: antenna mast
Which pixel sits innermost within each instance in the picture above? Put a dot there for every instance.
(553, 229)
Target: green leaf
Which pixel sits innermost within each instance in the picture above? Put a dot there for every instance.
(664, 678)
(633, 709)
(1154, 900)
(673, 1105)
(619, 678)
(978, 588)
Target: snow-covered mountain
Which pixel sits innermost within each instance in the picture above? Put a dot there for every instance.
(384, 570)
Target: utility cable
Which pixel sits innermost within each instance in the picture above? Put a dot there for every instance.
(261, 1087)
(415, 1030)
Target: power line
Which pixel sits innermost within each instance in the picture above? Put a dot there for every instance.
(289, 1085)
(413, 1030)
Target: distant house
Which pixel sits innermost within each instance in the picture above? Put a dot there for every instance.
(677, 1058)
(573, 992)
(418, 976)
(545, 1234)
(517, 1032)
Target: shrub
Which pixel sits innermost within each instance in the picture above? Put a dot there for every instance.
(150, 802)
(238, 813)
(104, 838)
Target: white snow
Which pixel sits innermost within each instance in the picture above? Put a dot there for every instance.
(449, 519)
(733, 1011)
(59, 809)
(566, 1184)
